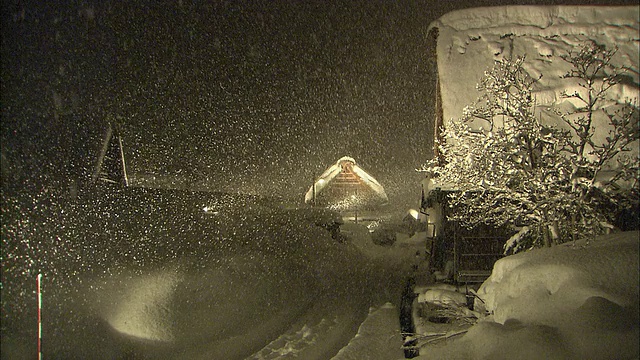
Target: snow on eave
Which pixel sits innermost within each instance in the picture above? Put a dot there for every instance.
(540, 17)
(429, 184)
(369, 180)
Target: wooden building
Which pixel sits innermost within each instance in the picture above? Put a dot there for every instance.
(459, 254)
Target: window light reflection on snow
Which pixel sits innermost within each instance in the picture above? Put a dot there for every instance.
(210, 211)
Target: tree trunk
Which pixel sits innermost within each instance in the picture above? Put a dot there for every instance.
(545, 236)
(554, 231)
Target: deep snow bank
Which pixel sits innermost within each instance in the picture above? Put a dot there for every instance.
(564, 302)
(564, 277)
(378, 337)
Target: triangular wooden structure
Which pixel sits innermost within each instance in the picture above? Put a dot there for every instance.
(111, 166)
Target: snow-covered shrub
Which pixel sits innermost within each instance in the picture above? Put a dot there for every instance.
(556, 183)
(383, 237)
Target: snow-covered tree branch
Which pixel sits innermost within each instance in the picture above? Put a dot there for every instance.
(556, 183)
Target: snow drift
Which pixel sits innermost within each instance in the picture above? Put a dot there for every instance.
(565, 302)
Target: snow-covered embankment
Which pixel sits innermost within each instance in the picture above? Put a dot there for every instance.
(565, 302)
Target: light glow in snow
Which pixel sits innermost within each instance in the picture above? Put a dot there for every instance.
(142, 306)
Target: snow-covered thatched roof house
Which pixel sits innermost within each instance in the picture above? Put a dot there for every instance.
(346, 186)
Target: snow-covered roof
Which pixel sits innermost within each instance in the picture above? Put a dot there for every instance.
(470, 40)
(334, 170)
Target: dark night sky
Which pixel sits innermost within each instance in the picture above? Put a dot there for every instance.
(251, 96)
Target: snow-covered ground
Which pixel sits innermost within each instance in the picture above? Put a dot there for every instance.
(378, 337)
(275, 285)
(564, 302)
(239, 282)
(281, 287)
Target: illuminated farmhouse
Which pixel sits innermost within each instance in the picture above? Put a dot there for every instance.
(346, 186)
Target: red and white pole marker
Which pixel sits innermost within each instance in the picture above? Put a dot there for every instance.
(39, 294)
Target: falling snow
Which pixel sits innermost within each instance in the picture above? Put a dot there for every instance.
(248, 101)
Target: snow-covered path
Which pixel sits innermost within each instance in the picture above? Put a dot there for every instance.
(280, 287)
(361, 300)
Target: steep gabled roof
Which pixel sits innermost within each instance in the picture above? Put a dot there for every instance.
(345, 172)
(111, 166)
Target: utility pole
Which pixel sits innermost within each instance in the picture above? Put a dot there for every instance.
(356, 206)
